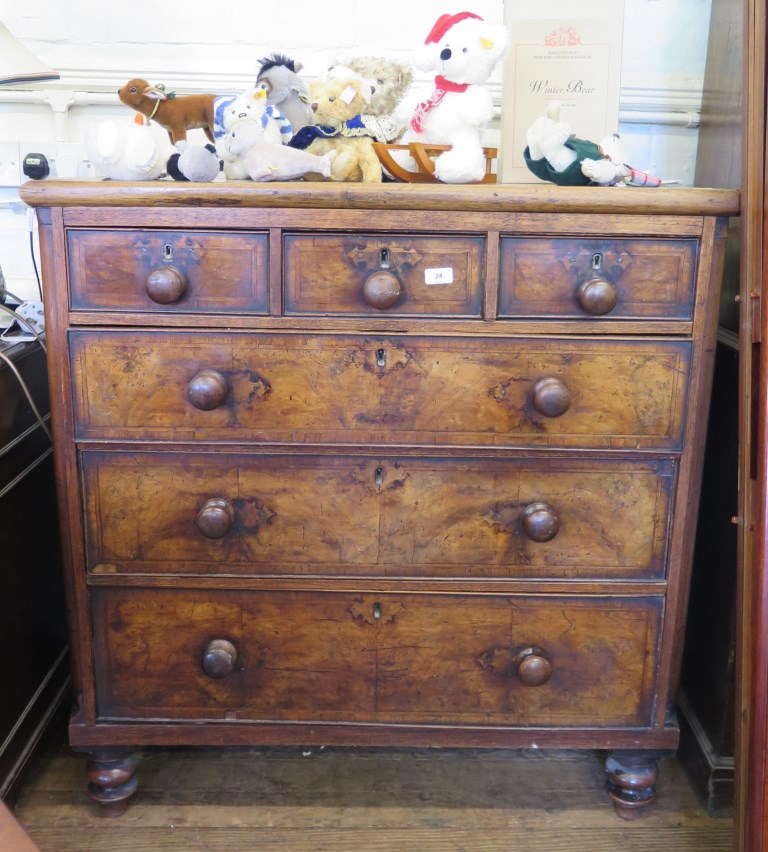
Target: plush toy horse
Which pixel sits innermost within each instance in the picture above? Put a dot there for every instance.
(176, 114)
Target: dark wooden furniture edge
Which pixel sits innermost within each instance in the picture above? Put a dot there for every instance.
(501, 197)
(752, 591)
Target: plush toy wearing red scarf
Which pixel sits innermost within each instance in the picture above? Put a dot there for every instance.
(463, 49)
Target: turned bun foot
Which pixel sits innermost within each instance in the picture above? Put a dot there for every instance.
(111, 780)
(631, 781)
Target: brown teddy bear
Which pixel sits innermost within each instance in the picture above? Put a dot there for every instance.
(336, 106)
(389, 81)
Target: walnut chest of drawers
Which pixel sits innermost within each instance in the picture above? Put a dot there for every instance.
(398, 465)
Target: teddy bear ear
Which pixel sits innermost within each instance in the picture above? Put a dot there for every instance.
(425, 58)
(499, 37)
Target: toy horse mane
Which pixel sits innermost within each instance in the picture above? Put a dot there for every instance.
(276, 59)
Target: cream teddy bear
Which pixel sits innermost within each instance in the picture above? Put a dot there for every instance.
(389, 81)
(464, 49)
(337, 105)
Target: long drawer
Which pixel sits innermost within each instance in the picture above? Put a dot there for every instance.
(359, 389)
(208, 513)
(429, 659)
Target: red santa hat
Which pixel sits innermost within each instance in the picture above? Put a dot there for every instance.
(445, 22)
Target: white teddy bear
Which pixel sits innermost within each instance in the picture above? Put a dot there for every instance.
(464, 49)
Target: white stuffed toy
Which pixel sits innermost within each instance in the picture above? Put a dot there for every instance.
(554, 154)
(250, 105)
(464, 50)
(128, 150)
(245, 144)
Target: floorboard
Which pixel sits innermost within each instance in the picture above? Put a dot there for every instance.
(361, 799)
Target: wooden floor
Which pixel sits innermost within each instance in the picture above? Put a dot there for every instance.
(335, 799)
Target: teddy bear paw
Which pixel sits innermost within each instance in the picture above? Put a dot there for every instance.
(603, 171)
(460, 165)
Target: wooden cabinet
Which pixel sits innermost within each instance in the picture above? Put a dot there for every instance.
(398, 466)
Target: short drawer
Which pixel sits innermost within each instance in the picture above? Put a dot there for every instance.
(189, 271)
(348, 389)
(380, 273)
(620, 279)
(209, 513)
(399, 658)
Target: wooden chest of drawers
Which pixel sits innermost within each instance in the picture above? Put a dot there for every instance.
(394, 466)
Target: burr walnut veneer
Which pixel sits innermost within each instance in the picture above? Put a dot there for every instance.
(403, 465)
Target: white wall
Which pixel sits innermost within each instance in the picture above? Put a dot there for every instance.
(215, 46)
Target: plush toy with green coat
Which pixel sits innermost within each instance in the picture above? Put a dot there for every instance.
(554, 154)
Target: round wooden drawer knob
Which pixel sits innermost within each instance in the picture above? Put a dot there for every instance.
(540, 522)
(165, 285)
(207, 390)
(597, 296)
(381, 290)
(219, 658)
(216, 517)
(551, 397)
(533, 667)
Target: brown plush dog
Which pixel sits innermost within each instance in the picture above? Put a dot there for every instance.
(175, 114)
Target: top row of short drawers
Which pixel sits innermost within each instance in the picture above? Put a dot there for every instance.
(381, 274)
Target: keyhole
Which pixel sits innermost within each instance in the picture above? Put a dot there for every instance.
(379, 476)
(597, 261)
(384, 258)
(377, 611)
(381, 358)
(168, 253)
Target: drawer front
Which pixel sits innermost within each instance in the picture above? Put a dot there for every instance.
(438, 517)
(342, 389)
(168, 271)
(620, 279)
(411, 659)
(374, 274)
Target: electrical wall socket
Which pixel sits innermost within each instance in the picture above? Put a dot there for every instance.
(10, 164)
(66, 159)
